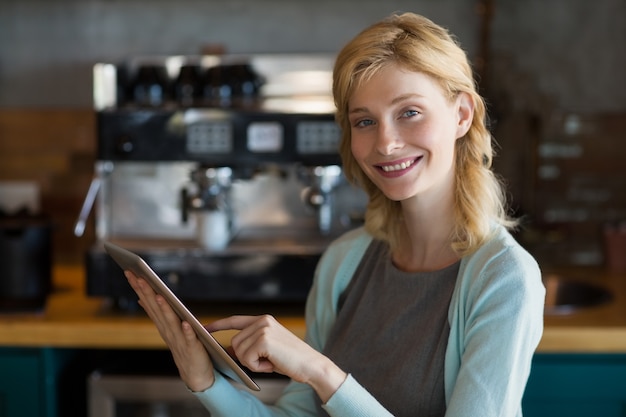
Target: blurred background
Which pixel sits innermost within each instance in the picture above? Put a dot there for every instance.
(552, 72)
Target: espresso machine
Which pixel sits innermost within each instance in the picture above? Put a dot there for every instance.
(221, 171)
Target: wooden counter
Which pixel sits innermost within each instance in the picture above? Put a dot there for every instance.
(71, 319)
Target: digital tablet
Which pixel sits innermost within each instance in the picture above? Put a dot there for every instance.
(222, 361)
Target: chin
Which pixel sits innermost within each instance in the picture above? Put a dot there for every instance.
(398, 196)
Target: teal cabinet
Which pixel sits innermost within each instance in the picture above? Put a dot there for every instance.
(43, 382)
(29, 381)
(576, 385)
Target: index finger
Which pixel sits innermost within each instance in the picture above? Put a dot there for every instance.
(231, 323)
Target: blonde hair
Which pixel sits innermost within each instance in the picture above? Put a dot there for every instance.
(417, 44)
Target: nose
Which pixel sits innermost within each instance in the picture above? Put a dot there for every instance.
(388, 140)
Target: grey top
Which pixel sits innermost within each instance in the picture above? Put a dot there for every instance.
(409, 313)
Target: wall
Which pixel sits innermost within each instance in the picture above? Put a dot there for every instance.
(573, 49)
(49, 47)
(556, 87)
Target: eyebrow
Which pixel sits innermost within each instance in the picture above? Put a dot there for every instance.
(396, 100)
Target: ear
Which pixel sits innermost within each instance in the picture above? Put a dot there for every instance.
(465, 111)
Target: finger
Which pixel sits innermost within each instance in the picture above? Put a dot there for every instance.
(248, 326)
(147, 297)
(143, 290)
(132, 280)
(138, 284)
(253, 344)
(167, 321)
(232, 323)
(166, 312)
(252, 351)
(153, 303)
(189, 333)
(249, 345)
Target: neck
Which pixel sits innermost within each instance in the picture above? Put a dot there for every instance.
(426, 245)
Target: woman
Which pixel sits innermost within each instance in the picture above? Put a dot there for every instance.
(431, 308)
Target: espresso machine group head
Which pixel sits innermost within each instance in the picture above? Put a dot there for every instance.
(230, 196)
(209, 199)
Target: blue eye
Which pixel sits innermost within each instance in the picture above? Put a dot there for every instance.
(363, 123)
(410, 113)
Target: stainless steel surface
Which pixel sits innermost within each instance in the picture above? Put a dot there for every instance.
(90, 199)
(142, 201)
(291, 82)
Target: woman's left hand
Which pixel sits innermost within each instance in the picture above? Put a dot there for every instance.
(191, 358)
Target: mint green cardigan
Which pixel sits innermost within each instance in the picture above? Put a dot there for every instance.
(496, 322)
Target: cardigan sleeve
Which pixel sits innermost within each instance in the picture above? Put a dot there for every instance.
(496, 321)
(351, 399)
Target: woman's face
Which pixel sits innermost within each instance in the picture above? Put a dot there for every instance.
(404, 131)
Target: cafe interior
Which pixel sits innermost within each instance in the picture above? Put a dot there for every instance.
(200, 135)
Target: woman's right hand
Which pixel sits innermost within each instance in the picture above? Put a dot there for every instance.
(191, 358)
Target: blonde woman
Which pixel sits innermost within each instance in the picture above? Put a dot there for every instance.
(431, 308)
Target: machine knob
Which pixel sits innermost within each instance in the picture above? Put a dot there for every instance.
(313, 196)
(124, 145)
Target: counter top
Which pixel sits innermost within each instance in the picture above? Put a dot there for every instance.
(71, 319)
(598, 329)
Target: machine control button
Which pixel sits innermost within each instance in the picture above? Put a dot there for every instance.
(210, 137)
(317, 137)
(265, 137)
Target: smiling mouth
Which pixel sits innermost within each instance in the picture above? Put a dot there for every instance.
(399, 167)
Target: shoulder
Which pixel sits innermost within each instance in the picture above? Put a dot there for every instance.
(349, 239)
(344, 253)
(501, 267)
(502, 253)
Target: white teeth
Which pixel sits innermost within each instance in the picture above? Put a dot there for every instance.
(397, 167)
